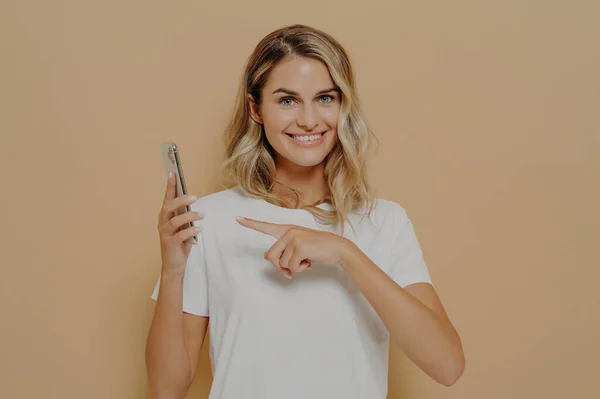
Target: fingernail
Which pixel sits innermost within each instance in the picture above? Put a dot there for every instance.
(239, 218)
(170, 175)
(290, 277)
(192, 198)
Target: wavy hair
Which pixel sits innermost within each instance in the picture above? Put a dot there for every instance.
(249, 158)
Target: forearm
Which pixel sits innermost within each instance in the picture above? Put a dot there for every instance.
(427, 340)
(167, 359)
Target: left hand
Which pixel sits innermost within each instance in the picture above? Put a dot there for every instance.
(298, 246)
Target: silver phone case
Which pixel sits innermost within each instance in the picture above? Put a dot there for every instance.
(172, 162)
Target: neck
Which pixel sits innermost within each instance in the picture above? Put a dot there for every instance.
(308, 180)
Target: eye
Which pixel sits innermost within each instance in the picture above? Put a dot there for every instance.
(327, 96)
(284, 102)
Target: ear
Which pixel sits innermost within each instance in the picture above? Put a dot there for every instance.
(254, 110)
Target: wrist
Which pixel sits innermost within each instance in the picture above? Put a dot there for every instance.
(170, 275)
(348, 251)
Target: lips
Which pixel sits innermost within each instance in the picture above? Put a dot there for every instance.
(305, 134)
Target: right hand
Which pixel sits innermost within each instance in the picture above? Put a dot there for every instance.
(174, 249)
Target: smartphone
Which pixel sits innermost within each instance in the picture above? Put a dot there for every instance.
(172, 161)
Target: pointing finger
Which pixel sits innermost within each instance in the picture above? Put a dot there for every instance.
(272, 229)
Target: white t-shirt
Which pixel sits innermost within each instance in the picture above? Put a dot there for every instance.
(314, 336)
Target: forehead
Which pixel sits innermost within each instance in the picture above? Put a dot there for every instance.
(302, 74)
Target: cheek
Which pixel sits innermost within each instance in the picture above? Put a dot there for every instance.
(330, 117)
(276, 121)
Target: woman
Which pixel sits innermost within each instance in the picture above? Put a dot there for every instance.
(296, 149)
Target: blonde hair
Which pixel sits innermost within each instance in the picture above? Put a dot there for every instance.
(249, 160)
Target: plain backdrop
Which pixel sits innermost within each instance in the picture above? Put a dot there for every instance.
(488, 116)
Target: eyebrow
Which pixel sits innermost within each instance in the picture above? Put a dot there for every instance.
(293, 93)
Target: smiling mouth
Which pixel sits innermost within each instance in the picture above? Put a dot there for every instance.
(306, 137)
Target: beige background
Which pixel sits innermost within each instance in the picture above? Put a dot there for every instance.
(488, 117)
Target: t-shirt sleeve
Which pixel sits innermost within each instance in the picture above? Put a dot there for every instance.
(406, 264)
(195, 282)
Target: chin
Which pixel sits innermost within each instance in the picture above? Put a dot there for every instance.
(308, 160)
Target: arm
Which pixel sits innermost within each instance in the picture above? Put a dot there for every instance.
(414, 316)
(174, 342)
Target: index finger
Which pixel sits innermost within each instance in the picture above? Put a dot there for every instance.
(272, 229)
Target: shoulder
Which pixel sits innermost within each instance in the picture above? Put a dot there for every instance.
(221, 207)
(388, 212)
(386, 218)
(220, 200)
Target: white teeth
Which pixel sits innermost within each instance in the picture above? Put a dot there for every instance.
(308, 138)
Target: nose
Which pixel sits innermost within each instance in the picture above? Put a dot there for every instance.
(308, 118)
